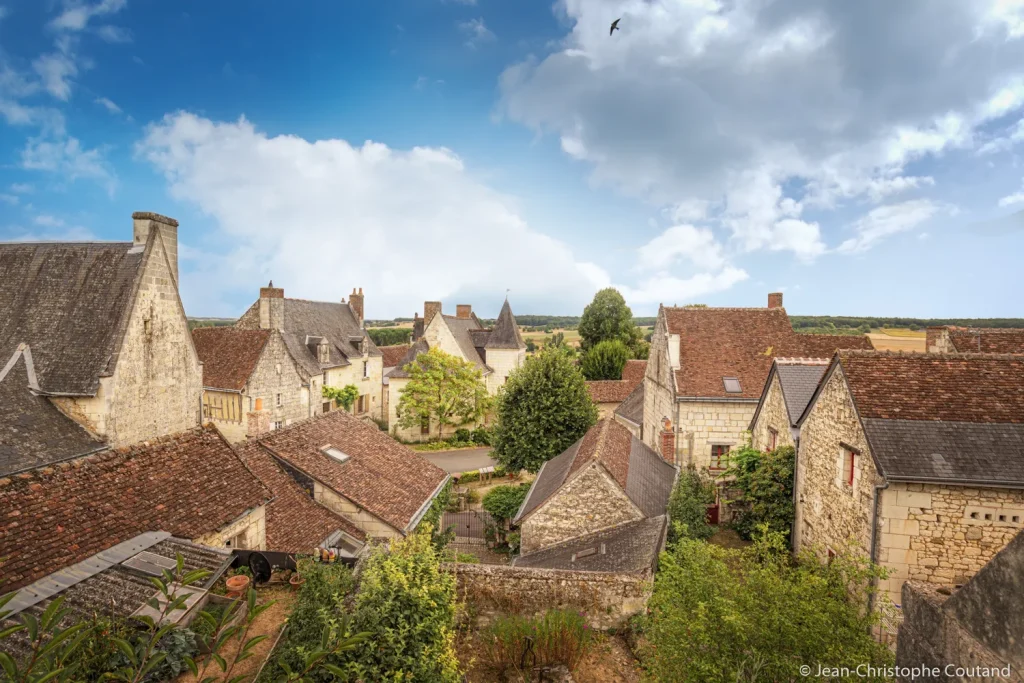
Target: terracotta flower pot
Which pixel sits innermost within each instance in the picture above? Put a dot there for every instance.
(296, 581)
(237, 584)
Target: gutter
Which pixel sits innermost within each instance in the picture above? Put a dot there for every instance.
(875, 503)
(959, 482)
(715, 399)
(426, 505)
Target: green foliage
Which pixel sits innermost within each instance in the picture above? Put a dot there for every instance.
(605, 360)
(431, 520)
(687, 506)
(515, 541)
(462, 434)
(343, 397)
(445, 388)
(531, 346)
(605, 318)
(51, 647)
(482, 436)
(542, 409)
(766, 484)
(407, 602)
(503, 502)
(721, 615)
(390, 336)
(558, 637)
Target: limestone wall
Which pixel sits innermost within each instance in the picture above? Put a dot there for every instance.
(659, 387)
(412, 434)
(248, 532)
(606, 599)
(503, 362)
(369, 386)
(278, 381)
(367, 521)
(701, 424)
(587, 504)
(773, 415)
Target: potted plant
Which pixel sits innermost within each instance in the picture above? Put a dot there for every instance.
(236, 585)
(296, 581)
(490, 535)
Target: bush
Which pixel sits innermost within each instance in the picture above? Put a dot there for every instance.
(482, 436)
(390, 336)
(503, 502)
(440, 536)
(514, 541)
(765, 481)
(462, 434)
(605, 360)
(723, 615)
(559, 637)
(687, 506)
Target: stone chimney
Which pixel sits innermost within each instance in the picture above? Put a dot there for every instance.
(937, 340)
(356, 302)
(464, 311)
(146, 225)
(775, 300)
(271, 307)
(430, 309)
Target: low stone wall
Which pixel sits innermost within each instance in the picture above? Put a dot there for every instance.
(606, 599)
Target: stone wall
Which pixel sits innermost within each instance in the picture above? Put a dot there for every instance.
(369, 386)
(248, 532)
(773, 415)
(278, 381)
(659, 386)
(937, 340)
(503, 362)
(702, 424)
(606, 599)
(374, 526)
(590, 502)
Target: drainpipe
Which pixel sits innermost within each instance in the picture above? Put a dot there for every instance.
(796, 493)
(876, 502)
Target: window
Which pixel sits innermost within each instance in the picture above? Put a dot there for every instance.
(277, 425)
(327, 406)
(361, 404)
(366, 369)
(719, 456)
(279, 400)
(849, 465)
(732, 385)
(773, 439)
(325, 378)
(279, 368)
(425, 424)
(333, 452)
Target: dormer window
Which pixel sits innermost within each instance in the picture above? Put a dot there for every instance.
(332, 452)
(323, 352)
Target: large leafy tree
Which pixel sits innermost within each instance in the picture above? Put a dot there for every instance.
(608, 317)
(605, 360)
(444, 388)
(542, 409)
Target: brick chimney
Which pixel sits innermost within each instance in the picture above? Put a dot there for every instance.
(146, 225)
(667, 441)
(271, 307)
(356, 302)
(775, 300)
(430, 309)
(463, 311)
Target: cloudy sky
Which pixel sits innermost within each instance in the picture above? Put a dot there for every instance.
(866, 158)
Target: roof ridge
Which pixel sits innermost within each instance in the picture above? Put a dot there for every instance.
(802, 361)
(971, 355)
(724, 308)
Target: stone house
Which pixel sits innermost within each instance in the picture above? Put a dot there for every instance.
(604, 496)
(790, 386)
(329, 344)
(103, 332)
(706, 371)
(609, 393)
(952, 339)
(191, 485)
(630, 413)
(355, 470)
(915, 458)
(496, 351)
(391, 356)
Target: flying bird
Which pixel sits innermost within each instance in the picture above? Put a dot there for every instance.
(615, 26)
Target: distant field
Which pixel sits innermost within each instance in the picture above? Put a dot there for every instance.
(898, 340)
(572, 337)
(898, 332)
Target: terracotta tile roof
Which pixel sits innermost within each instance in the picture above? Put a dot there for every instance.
(295, 522)
(987, 340)
(715, 343)
(229, 355)
(393, 355)
(189, 485)
(616, 390)
(922, 386)
(381, 475)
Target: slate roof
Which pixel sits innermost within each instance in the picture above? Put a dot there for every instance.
(393, 354)
(69, 303)
(638, 470)
(295, 522)
(189, 485)
(798, 379)
(632, 408)
(462, 329)
(382, 476)
(715, 343)
(229, 355)
(987, 340)
(420, 346)
(629, 548)
(33, 432)
(505, 333)
(616, 390)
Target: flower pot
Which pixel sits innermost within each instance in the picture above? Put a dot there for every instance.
(236, 585)
(296, 581)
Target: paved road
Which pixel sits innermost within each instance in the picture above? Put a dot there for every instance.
(460, 461)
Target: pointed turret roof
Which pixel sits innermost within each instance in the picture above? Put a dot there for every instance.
(505, 333)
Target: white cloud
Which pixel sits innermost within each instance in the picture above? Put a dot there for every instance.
(22, 188)
(321, 216)
(1010, 200)
(108, 104)
(696, 245)
(67, 156)
(48, 221)
(114, 34)
(56, 71)
(883, 221)
(77, 15)
(9, 199)
(666, 288)
(476, 32)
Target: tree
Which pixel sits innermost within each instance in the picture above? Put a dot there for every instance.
(542, 409)
(605, 360)
(688, 506)
(343, 397)
(766, 484)
(443, 388)
(605, 318)
(389, 336)
(503, 502)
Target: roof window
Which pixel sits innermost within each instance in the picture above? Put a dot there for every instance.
(732, 385)
(333, 452)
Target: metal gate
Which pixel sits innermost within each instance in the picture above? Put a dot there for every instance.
(469, 526)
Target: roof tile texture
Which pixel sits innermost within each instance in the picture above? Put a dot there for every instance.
(985, 340)
(616, 390)
(229, 355)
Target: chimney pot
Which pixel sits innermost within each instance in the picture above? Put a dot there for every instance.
(775, 300)
(668, 444)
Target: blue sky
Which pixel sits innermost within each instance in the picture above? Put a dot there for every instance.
(864, 158)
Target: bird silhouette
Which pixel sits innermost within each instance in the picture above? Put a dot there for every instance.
(615, 26)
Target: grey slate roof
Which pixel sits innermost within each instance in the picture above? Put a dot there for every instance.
(462, 329)
(69, 303)
(505, 333)
(631, 547)
(970, 453)
(650, 480)
(416, 349)
(798, 381)
(549, 479)
(632, 408)
(33, 432)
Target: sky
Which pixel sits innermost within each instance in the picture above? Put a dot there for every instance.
(864, 158)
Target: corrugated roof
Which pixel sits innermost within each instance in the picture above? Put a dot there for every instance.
(229, 355)
(631, 547)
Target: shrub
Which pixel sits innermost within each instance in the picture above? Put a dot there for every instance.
(687, 506)
(390, 336)
(462, 434)
(765, 481)
(514, 540)
(503, 502)
(440, 536)
(605, 360)
(559, 637)
(482, 436)
(472, 496)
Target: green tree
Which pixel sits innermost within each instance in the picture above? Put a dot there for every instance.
(503, 502)
(389, 336)
(688, 506)
(605, 360)
(765, 481)
(444, 388)
(343, 397)
(605, 318)
(542, 409)
(721, 615)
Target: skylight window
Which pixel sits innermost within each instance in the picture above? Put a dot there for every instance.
(333, 452)
(150, 563)
(732, 385)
